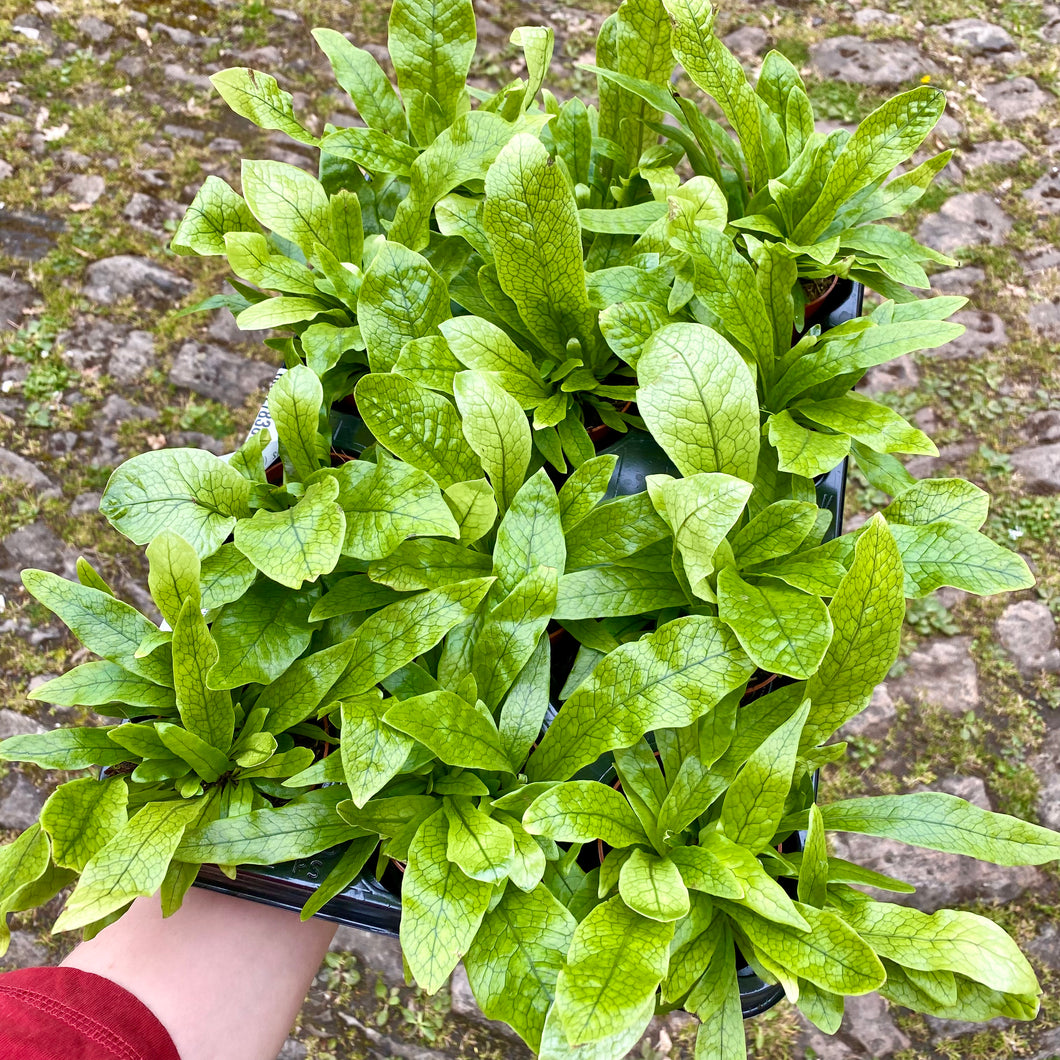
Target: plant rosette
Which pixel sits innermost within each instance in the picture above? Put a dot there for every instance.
(485, 280)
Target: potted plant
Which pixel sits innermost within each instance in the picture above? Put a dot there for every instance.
(435, 654)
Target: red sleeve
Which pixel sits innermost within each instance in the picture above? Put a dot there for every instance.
(68, 1014)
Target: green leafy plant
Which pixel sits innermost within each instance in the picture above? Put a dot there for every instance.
(474, 657)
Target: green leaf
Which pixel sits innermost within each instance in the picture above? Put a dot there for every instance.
(554, 1045)
(346, 870)
(260, 635)
(279, 312)
(206, 712)
(652, 886)
(393, 637)
(526, 704)
(174, 574)
(225, 577)
(252, 260)
(802, 451)
(387, 502)
(496, 428)
(361, 77)
(700, 510)
(215, 211)
(777, 530)
(81, 817)
(458, 732)
(943, 822)
(969, 1000)
(482, 847)
(429, 362)
(460, 155)
(754, 803)
(373, 150)
(691, 793)
(725, 283)
(949, 940)
(871, 423)
(189, 491)
(584, 489)
(372, 751)
(208, 762)
(867, 612)
(950, 500)
(667, 678)
(424, 564)
(716, 999)
(583, 810)
(431, 44)
(886, 138)
(515, 959)
(417, 425)
(104, 625)
(511, 632)
(474, 506)
(615, 530)
(133, 863)
(64, 748)
(23, 862)
(830, 955)
(297, 545)
(714, 68)
(402, 298)
(698, 398)
(257, 96)
(782, 90)
(616, 961)
(484, 347)
(301, 688)
(531, 218)
(782, 629)
(814, 870)
(702, 871)
(615, 591)
(294, 403)
(288, 201)
(441, 907)
(761, 893)
(97, 683)
(268, 836)
(530, 534)
(948, 554)
(355, 592)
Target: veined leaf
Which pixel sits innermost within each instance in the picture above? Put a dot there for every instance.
(871, 423)
(257, 96)
(96, 683)
(189, 491)
(417, 425)
(526, 704)
(131, 864)
(943, 822)
(700, 510)
(584, 489)
(64, 748)
(291, 697)
(474, 506)
(482, 847)
(288, 201)
(950, 500)
(402, 298)
(174, 574)
(777, 530)
(652, 886)
(431, 45)
(295, 400)
(393, 637)
(949, 554)
(514, 961)
(372, 751)
(667, 678)
(81, 817)
(754, 802)
(782, 629)
(583, 810)
(215, 211)
(458, 732)
(699, 401)
(615, 591)
(496, 428)
(422, 564)
(530, 534)
(867, 612)
(802, 451)
(442, 908)
(206, 712)
(614, 530)
(260, 635)
(531, 218)
(616, 960)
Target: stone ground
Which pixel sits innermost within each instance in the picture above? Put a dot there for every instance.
(108, 125)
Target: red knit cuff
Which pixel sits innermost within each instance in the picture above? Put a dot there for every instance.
(52, 1013)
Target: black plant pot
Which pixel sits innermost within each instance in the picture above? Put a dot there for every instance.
(371, 905)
